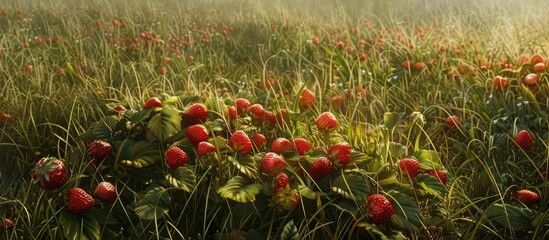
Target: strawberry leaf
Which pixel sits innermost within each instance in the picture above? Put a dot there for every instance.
(407, 214)
(101, 129)
(290, 231)
(137, 154)
(183, 178)
(154, 205)
(432, 185)
(236, 190)
(306, 192)
(350, 187)
(165, 124)
(246, 165)
(509, 216)
(137, 117)
(83, 227)
(359, 158)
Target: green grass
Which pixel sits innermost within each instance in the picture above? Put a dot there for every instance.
(223, 50)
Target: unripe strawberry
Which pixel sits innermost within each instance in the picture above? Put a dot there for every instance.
(524, 140)
(175, 157)
(285, 199)
(326, 122)
(79, 201)
(380, 209)
(105, 192)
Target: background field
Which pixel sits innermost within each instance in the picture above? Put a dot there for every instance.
(65, 65)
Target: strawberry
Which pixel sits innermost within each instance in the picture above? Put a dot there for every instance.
(285, 199)
(272, 163)
(231, 113)
(302, 146)
(306, 99)
(409, 167)
(282, 117)
(340, 153)
(320, 168)
(524, 140)
(527, 197)
(281, 146)
(99, 150)
(50, 173)
(242, 105)
(105, 192)
(439, 174)
(270, 117)
(453, 121)
(259, 140)
(80, 201)
(6, 224)
(196, 113)
(380, 208)
(240, 142)
(196, 134)
(257, 110)
(119, 109)
(175, 157)
(326, 122)
(153, 102)
(281, 180)
(204, 148)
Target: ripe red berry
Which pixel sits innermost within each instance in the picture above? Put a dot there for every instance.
(119, 109)
(409, 167)
(153, 102)
(524, 140)
(453, 121)
(231, 113)
(196, 134)
(527, 197)
(281, 180)
(99, 150)
(306, 99)
(196, 113)
(340, 153)
(240, 142)
(259, 140)
(242, 105)
(205, 148)
(439, 174)
(281, 146)
(175, 157)
(326, 122)
(105, 192)
(380, 209)
(50, 173)
(272, 163)
(6, 224)
(79, 201)
(302, 146)
(320, 168)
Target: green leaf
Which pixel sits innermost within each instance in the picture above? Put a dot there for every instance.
(81, 227)
(246, 165)
(392, 119)
(359, 158)
(136, 117)
(183, 178)
(137, 154)
(372, 229)
(154, 204)
(101, 129)
(407, 214)
(306, 192)
(290, 231)
(532, 101)
(428, 158)
(236, 190)
(509, 216)
(432, 185)
(165, 124)
(350, 187)
(396, 149)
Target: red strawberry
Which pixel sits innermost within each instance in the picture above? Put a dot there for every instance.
(175, 157)
(119, 109)
(50, 173)
(257, 110)
(281, 146)
(380, 208)
(231, 113)
(196, 113)
(409, 167)
(270, 117)
(196, 134)
(259, 140)
(320, 168)
(105, 192)
(242, 105)
(524, 140)
(99, 150)
(341, 153)
(326, 122)
(80, 201)
(153, 102)
(302, 146)
(240, 142)
(281, 180)
(440, 174)
(282, 117)
(306, 99)
(527, 197)
(6, 224)
(272, 163)
(204, 148)
(453, 121)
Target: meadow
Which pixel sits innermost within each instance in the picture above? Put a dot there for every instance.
(274, 119)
